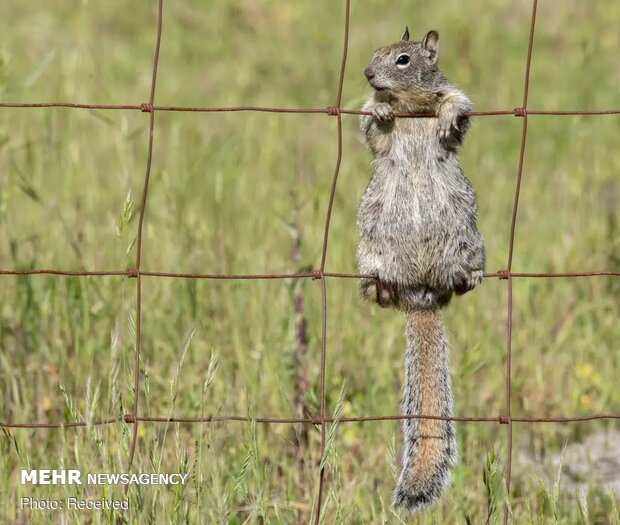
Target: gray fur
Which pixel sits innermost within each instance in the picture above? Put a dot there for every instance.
(417, 225)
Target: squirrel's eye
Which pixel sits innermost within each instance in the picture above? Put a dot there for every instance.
(402, 60)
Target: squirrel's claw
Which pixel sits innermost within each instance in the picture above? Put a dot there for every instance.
(476, 278)
(383, 112)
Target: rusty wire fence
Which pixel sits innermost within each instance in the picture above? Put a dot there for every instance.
(320, 274)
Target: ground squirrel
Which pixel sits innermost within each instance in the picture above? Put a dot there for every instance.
(418, 236)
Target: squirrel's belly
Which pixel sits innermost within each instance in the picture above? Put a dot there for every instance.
(407, 256)
(403, 235)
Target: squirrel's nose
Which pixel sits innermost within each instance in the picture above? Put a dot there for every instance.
(369, 73)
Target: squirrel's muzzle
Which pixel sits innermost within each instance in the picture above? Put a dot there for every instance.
(369, 72)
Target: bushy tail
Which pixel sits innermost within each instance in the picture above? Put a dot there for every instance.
(430, 444)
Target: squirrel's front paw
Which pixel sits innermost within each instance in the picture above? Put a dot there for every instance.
(447, 120)
(383, 112)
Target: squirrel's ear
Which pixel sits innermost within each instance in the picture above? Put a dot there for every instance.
(405, 37)
(431, 45)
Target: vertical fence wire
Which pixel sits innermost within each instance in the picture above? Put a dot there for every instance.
(147, 176)
(513, 225)
(332, 193)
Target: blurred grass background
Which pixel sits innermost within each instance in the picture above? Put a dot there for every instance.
(233, 193)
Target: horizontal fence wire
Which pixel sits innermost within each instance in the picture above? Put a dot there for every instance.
(128, 418)
(517, 112)
(134, 417)
(502, 274)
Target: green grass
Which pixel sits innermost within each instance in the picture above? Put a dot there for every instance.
(220, 201)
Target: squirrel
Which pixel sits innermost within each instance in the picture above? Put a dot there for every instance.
(418, 238)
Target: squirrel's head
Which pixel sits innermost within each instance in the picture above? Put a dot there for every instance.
(405, 65)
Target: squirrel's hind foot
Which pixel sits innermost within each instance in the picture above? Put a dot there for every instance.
(380, 292)
(469, 283)
(386, 294)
